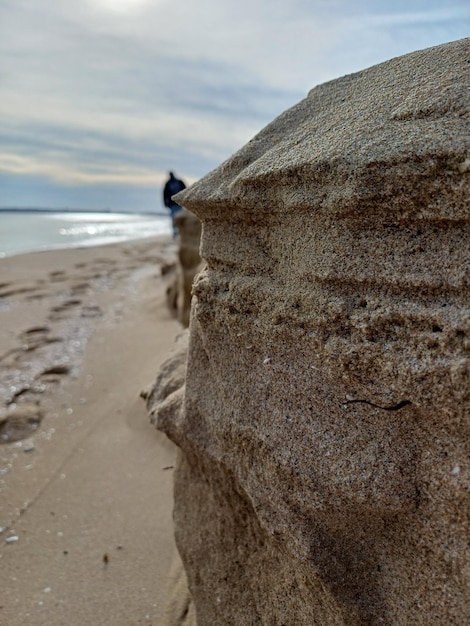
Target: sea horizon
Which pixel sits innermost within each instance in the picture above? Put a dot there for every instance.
(33, 209)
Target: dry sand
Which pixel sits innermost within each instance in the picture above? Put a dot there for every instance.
(87, 492)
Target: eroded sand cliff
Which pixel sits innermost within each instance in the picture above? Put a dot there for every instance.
(325, 427)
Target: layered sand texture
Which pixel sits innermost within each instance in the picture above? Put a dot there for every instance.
(85, 501)
(325, 474)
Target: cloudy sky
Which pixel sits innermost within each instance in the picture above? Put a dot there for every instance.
(100, 98)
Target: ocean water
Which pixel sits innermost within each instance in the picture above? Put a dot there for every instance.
(29, 231)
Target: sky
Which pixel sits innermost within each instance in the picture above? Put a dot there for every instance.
(99, 99)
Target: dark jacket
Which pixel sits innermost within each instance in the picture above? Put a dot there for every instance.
(172, 187)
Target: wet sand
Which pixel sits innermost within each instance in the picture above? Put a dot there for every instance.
(86, 481)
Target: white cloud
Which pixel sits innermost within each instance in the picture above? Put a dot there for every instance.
(126, 7)
(117, 90)
(60, 172)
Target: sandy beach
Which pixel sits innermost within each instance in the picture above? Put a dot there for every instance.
(86, 481)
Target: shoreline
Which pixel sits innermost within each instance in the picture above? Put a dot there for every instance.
(83, 331)
(83, 244)
(37, 231)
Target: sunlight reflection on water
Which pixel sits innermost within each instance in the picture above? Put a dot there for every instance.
(22, 231)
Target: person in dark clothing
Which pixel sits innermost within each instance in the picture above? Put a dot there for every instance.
(172, 186)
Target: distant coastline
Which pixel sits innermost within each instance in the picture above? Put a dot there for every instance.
(75, 210)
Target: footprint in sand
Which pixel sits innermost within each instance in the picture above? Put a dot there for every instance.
(16, 291)
(48, 379)
(80, 288)
(28, 391)
(29, 341)
(57, 312)
(35, 330)
(36, 337)
(57, 276)
(66, 305)
(20, 421)
(55, 370)
(50, 376)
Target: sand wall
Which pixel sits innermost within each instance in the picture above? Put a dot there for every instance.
(324, 418)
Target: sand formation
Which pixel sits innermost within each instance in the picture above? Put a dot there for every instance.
(324, 429)
(188, 264)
